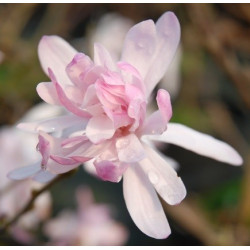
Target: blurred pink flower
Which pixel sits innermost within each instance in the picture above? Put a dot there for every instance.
(92, 225)
(108, 125)
(17, 147)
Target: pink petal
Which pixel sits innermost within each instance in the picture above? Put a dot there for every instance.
(53, 124)
(44, 148)
(143, 204)
(103, 58)
(70, 142)
(56, 53)
(130, 149)
(164, 178)
(47, 91)
(44, 176)
(157, 122)
(89, 150)
(99, 128)
(66, 102)
(64, 160)
(78, 68)
(57, 168)
(110, 171)
(199, 143)
(151, 48)
(168, 37)
(25, 172)
(154, 124)
(140, 45)
(164, 104)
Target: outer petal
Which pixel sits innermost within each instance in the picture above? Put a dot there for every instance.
(151, 48)
(163, 177)
(130, 149)
(54, 124)
(99, 128)
(103, 58)
(143, 204)
(168, 37)
(56, 53)
(25, 172)
(47, 91)
(199, 143)
(44, 176)
(140, 45)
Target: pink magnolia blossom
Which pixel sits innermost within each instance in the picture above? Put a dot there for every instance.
(108, 126)
(92, 225)
(18, 147)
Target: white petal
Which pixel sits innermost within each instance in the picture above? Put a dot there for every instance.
(90, 167)
(99, 128)
(164, 178)
(140, 45)
(129, 149)
(150, 48)
(55, 53)
(53, 124)
(103, 58)
(47, 91)
(199, 143)
(168, 37)
(25, 172)
(143, 204)
(44, 176)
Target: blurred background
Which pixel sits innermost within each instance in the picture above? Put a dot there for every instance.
(209, 82)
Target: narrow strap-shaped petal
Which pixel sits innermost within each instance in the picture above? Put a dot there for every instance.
(53, 124)
(130, 149)
(55, 53)
(168, 37)
(150, 48)
(143, 204)
(157, 122)
(164, 178)
(103, 58)
(25, 172)
(199, 143)
(140, 45)
(44, 176)
(164, 104)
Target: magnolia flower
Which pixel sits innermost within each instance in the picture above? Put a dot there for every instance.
(91, 225)
(108, 125)
(17, 147)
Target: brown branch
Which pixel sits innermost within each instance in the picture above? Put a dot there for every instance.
(205, 22)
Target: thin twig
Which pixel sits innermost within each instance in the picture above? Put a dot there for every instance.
(30, 203)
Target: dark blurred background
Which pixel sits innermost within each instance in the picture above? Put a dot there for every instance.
(213, 98)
